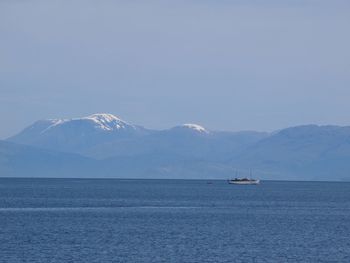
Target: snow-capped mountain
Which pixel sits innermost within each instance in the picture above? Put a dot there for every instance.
(102, 121)
(190, 127)
(105, 136)
(77, 134)
(98, 122)
(109, 146)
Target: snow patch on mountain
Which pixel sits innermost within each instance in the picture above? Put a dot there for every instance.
(100, 121)
(194, 127)
(107, 122)
(53, 123)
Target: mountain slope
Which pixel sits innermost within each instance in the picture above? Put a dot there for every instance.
(105, 135)
(26, 161)
(211, 146)
(76, 135)
(115, 148)
(303, 152)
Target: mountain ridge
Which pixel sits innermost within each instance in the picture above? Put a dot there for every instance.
(305, 152)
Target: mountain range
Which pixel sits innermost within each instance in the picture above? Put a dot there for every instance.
(103, 145)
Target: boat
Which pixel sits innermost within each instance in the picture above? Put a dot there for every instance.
(243, 181)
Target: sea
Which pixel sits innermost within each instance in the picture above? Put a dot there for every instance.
(119, 220)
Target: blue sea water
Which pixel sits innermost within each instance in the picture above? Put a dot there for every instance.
(106, 220)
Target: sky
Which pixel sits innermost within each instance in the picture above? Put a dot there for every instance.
(227, 65)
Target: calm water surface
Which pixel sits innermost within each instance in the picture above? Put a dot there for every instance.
(80, 220)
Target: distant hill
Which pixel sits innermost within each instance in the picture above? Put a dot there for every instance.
(305, 152)
(103, 145)
(27, 161)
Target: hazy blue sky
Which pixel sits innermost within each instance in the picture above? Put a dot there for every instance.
(228, 65)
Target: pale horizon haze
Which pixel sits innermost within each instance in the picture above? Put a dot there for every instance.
(226, 65)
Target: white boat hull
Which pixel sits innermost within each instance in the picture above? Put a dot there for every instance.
(244, 182)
